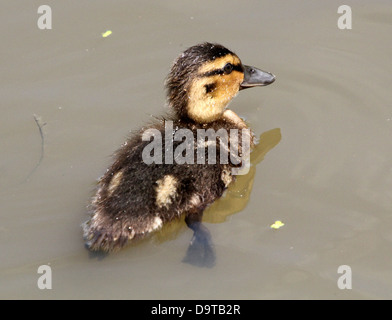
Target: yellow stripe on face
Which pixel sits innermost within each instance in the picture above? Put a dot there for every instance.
(205, 105)
(219, 63)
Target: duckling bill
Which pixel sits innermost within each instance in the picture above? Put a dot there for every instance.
(134, 198)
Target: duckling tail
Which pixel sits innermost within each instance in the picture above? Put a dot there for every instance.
(105, 237)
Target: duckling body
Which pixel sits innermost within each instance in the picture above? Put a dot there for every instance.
(136, 197)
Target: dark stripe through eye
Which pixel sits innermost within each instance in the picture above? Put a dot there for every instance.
(225, 69)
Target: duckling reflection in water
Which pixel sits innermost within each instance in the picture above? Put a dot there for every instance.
(234, 200)
(135, 198)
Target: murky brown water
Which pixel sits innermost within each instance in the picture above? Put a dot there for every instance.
(329, 177)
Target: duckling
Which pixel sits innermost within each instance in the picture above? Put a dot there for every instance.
(136, 197)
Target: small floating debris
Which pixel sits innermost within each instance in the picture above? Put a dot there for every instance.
(106, 34)
(277, 224)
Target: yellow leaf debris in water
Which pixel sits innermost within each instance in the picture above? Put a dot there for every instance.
(277, 224)
(106, 34)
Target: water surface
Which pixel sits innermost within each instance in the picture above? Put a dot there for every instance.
(328, 177)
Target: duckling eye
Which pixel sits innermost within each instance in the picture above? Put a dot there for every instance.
(228, 68)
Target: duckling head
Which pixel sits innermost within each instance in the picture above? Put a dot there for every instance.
(205, 78)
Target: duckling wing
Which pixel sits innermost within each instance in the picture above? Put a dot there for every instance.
(134, 199)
